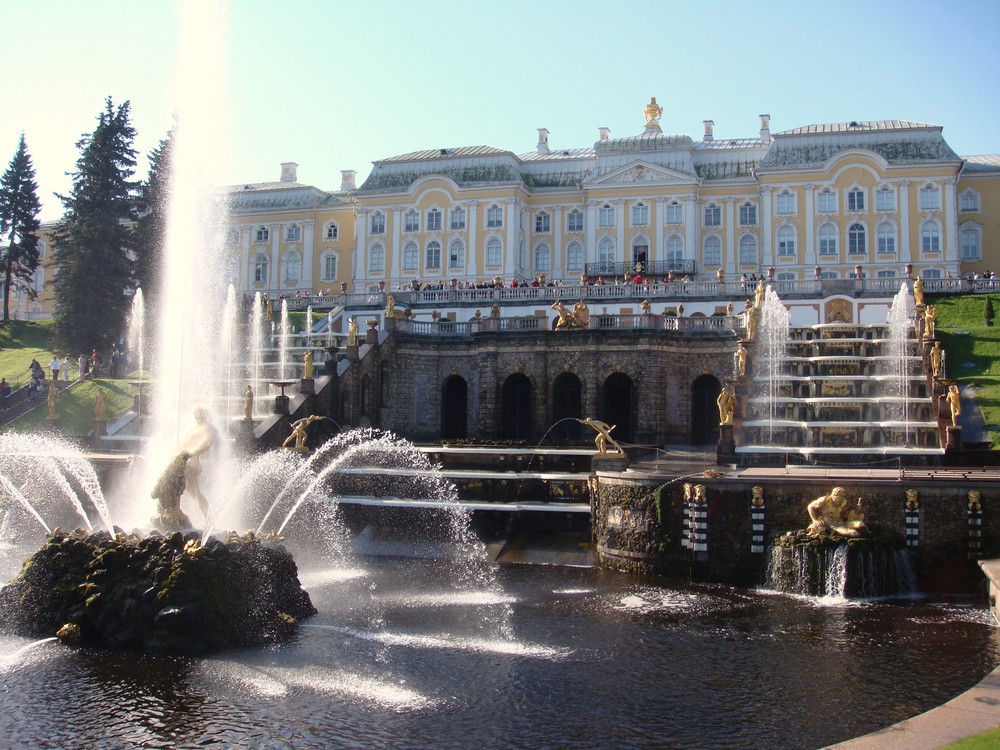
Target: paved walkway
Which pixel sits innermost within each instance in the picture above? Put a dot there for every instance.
(974, 711)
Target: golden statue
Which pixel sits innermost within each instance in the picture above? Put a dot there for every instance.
(954, 404)
(248, 404)
(759, 293)
(99, 405)
(52, 399)
(720, 276)
(565, 318)
(975, 501)
(727, 406)
(936, 357)
(750, 321)
(352, 331)
(167, 492)
(390, 306)
(918, 291)
(757, 496)
(603, 438)
(831, 515)
(652, 112)
(299, 434)
(581, 314)
(912, 499)
(307, 366)
(741, 360)
(646, 305)
(930, 318)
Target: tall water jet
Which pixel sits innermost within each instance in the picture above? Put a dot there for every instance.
(894, 385)
(136, 334)
(771, 344)
(190, 358)
(284, 337)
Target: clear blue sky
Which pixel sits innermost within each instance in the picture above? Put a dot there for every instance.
(335, 85)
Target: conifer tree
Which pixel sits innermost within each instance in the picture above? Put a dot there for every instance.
(19, 209)
(151, 228)
(94, 239)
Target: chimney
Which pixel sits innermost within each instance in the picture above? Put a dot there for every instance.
(289, 171)
(765, 128)
(605, 133)
(347, 180)
(709, 125)
(543, 141)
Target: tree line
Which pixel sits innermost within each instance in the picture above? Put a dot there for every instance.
(109, 240)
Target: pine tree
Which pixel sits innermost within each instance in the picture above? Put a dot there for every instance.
(151, 228)
(19, 209)
(988, 312)
(94, 239)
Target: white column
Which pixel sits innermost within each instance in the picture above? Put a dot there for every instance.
(811, 248)
(246, 270)
(472, 228)
(767, 254)
(590, 251)
(308, 252)
(510, 216)
(620, 235)
(657, 251)
(361, 252)
(392, 260)
(729, 261)
(274, 281)
(949, 207)
(691, 224)
(905, 251)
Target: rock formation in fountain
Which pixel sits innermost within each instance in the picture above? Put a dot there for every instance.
(166, 594)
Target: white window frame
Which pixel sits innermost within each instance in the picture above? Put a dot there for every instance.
(826, 201)
(712, 250)
(263, 234)
(857, 239)
(329, 263)
(574, 221)
(969, 201)
(377, 224)
(494, 217)
(456, 255)
(713, 215)
(930, 198)
(857, 200)
(293, 233)
(673, 249)
(543, 223)
(260, 268)
(885, 199)
(748, 215)
(542, 258)
(640, 215)
(411, 221)
(433, 222)
(785, 238)
(828, 239)
(885, 238)
(411, 256)
(332, 231)
(432, 256)
(675, 213)
(974, 251)
(606, 215)
(376, 258)
(574, 256)
(494, 252)
(607, 252)
(456, 218)
(930, 237)
(786, 203)
(748, 244)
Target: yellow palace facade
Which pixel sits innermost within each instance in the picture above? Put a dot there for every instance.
(832, 201)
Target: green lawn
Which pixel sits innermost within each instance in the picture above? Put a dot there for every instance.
(986, 741)
(972, 350)
(75, 406)
(22, 341)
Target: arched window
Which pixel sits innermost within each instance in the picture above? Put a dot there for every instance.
(293, 233)
(606, 216)
(885, 237)
(494, 252)
(260, 268)
(574, 256)
(640, 214)
(542, 222)
(675, 213)
(713, 215)
(826, 201)
(828, 239)
(856, 199)
(432, 259)
(494, 217)
(606, 254)
(885, 199)
(456, 254)
(329, 265)
(969, 201)
(930, 198)
(574, 221)
(457, 218)
(262, 234)
(675, 249)
(713, 251)
(411, 221)
(930, 237)
(970, 241)
(786, 242)
(376, 258)
(410, 256)
(378, 223)
(748, 215)
(857, 239)
(332, 231)
(748, 250)
(542, 257)
(433, 220)
(786, 202)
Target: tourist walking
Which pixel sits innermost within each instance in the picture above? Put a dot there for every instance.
(55, 365)
(4, 394)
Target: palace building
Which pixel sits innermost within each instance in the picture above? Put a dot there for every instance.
(869, 199)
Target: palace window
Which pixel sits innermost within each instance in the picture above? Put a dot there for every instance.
(640, 215)
(786, 242)
(411, 221)
(433, 220)
(827, 240)
(574, 221)
(332, 231)
(293, 233)
(606, 251)
(748, 215)
(713, 251)
(885, 199)
(494, 217)
(329, 265)
(970, 242)
(542, 257)
(885, 236)
(606, 216)
(376, 258)
(969, 201)
(494, 252)
(786, 202)
(826, 201)
(456, 254)
(574, 256)
(930, 198)
(713, 215)
(260, 269)
(542, 222)
(433, 257)
(378, 223)
(931, 273)
(856, 200)
(675, 249)
(457, 218)
(675, 213)
(885, 274)
(748, 250)
(930, 237)
(410, 252)
(262, 234)
(857, 240)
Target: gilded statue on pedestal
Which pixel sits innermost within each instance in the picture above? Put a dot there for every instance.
(727, 406)
(832, 516)
(954, 404)
(299, 434)
(918, 291)
(603, 438)
(930, 319)
(352, 331)
(936, 358)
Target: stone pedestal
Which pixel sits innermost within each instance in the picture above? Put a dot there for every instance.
(609, 462)
(371, 336)
(281, 404)
(352, 352)
(307, 386)
(954, 440)
(725, 452)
